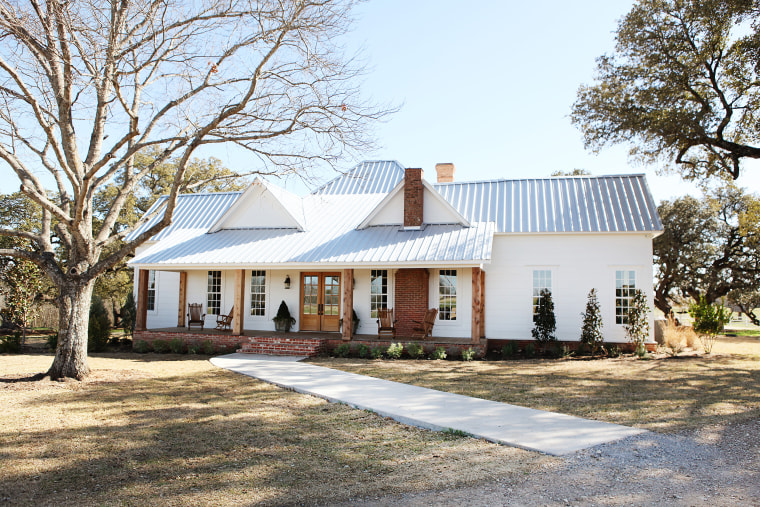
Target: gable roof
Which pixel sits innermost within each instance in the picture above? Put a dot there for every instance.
(369, 177)
(288, 212)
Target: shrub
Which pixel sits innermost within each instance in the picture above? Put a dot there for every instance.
(10, 344)
(342, 350)
(439, 353)
(99, 327)
(415, 350)
(193, 349)
(377, 352)
(509, 350)
(709, 320)
(591, 330)
(530, 350)
(207, 347)
(52, 341)
(177, 346)
(676, 338)
(637, 327)
(468, 354)
(545, 321)
(363, 350)
(395, 350)
(160, 346)
(129, 314)
(141, 346)
(612, 350)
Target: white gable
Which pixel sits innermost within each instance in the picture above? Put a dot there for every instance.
(263, 207)
(436, 210)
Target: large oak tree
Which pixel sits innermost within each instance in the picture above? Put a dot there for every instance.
(683, 85)
(86, 85)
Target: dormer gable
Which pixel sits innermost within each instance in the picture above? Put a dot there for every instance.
(263, 206)
(436, 209)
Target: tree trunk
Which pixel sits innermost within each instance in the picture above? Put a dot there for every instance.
(73, 320)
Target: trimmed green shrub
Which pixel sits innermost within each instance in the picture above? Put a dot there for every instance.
(509, 350)
(129, 314)
(545, 322)
(193, 349)
(709, 320)
(591, 330)
(612, 350)
(377, 352)
(207, 347)
(177, 346)
(52, 341)
(530, 350)
(439, 353)
(99, 328)
(342, 350)
(395, 350)
(160, 346)
(10, 344)
(141, 346)
(363, 351)
(415, 350)
(468, 354)
(637, 328)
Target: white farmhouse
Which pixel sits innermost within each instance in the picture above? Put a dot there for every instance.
(380, 236)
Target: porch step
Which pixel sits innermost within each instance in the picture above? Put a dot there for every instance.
(280, 346)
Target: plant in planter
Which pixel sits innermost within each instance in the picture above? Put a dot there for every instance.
(283, 320)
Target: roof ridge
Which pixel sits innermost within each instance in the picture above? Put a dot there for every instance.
(546, 178)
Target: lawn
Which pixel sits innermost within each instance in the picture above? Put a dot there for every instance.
(175, 430)
(662, 394)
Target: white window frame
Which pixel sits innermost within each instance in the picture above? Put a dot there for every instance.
(536, 289)
(217, 311)
(384, 296)
(265, 293)
(626, 272)
(154, 289)
(457, 292)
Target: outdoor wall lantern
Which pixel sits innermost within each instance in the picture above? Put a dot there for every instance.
(287, 281)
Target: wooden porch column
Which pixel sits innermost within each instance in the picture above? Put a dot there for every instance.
(237, 312)
(476, 298)
(182, 299)
(142, 299)
(482, 304)
(348, 304)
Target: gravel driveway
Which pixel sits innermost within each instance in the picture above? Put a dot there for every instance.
(718, 465)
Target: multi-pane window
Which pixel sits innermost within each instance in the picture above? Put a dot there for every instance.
(258, 292)
(150, 303)
(625, 286)
(542, 281)
(378, 291)
(447, 294)
(214, 300)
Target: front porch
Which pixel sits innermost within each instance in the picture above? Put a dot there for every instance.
(293, 343)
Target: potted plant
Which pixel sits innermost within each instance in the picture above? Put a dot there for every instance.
(355, 324)
(283, 321)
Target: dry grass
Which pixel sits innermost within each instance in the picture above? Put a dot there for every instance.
(679, 338)
(178, 431)
(663, 394)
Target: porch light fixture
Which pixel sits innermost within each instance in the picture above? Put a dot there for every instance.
(287, 281)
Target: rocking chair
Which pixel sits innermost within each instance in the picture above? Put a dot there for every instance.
(224, 322)
(425, 327)
(386, 326)
(195, 315)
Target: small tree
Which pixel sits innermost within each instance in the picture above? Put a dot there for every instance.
(545, 321)
(24, 284)
(637, 327)
(709, 320)
(99, 328)
(591, 331)
(129, 314)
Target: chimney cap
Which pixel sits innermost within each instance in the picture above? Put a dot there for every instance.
(445, 172)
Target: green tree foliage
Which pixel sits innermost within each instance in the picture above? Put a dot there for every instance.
(574, 172)
(709, 320)
(637, 327)
(591, 330)
(24, 285)
(129, 314)
(99, 329)
(682, 85)
(709, 247)
(545, 325)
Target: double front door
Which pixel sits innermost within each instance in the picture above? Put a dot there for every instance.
(320, 302)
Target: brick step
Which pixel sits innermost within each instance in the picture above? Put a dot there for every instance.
(282, 347)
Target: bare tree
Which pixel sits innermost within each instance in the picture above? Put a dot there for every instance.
(86, 85)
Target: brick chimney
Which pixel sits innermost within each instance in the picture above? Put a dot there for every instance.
(445, 172)
(413, 195)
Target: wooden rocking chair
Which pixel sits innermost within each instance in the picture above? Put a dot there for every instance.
(386, 326)
(224, 322)
(195, 315)
(425, 328)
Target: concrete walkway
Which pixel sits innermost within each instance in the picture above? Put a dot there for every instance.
(535, 430)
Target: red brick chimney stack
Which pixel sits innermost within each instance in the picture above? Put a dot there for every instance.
(445, 172)
(413, 197)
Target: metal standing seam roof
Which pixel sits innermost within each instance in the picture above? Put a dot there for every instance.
(369, 177)
(618, 203)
